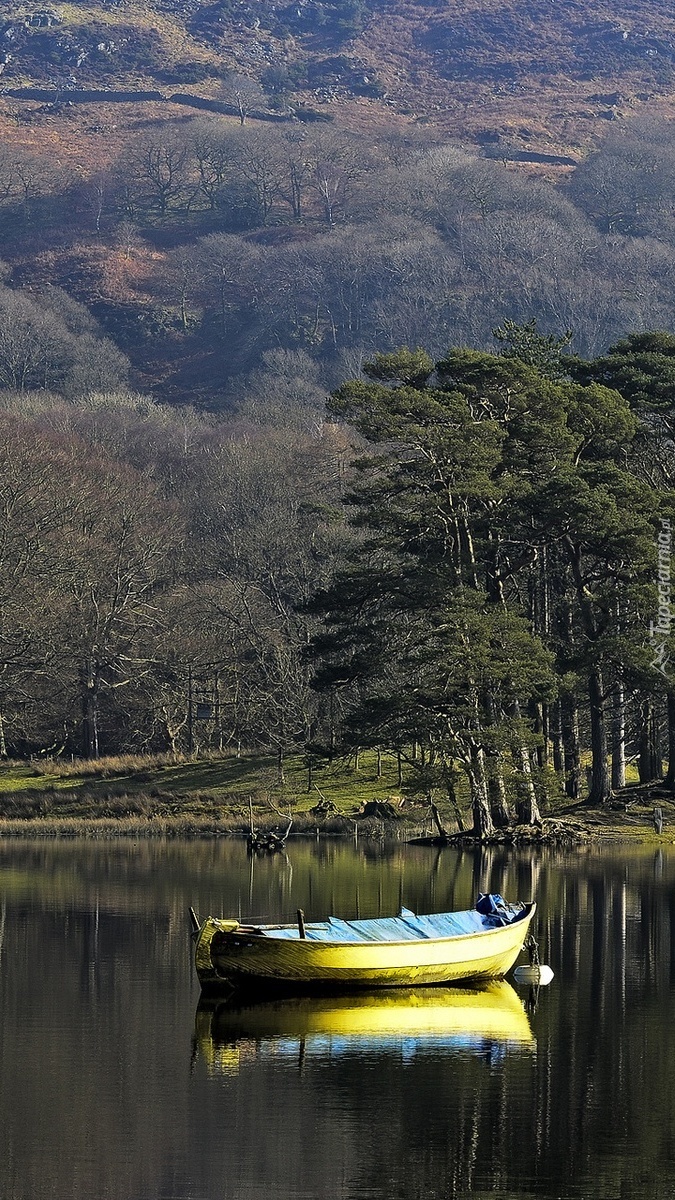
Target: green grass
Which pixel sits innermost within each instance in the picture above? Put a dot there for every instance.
(219, 787)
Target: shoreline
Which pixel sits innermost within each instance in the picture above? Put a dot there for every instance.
(223, 796)
(582, 828)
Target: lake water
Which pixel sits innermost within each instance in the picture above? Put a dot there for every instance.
(115, 1084)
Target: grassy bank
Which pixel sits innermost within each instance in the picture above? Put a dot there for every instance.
(215, 796)
(142, 797)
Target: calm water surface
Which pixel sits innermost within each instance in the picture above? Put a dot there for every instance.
(115, 1083)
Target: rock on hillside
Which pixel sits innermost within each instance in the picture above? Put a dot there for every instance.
(522, 76)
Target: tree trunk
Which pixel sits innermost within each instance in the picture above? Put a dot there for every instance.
(572, 749)
(601, 789)
(333, 735)
(540, 726)
(90, 723)
(436, 816)
(670, 776)
(649, 760)
(557, 738)
(190, 713)
(528, 807)
(217, 714)
(499, 805)
(452, 797)
(90, 686)
(618, 737)
(482, 820)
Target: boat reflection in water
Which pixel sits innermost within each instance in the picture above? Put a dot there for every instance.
(487, 1020)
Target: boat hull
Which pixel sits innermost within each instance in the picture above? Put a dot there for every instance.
(226, 953)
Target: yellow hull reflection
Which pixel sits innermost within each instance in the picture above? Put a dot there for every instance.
(226, 951)
(450, 1019)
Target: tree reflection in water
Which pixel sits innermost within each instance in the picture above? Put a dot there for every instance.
(109, 1087)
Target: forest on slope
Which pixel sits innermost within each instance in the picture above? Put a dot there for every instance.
(456, 557)
(203, 249)
(460, 566)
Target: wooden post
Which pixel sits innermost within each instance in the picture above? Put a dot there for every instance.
(658, 820)
(301, 924)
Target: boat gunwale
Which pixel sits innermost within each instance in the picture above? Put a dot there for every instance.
(246, 932)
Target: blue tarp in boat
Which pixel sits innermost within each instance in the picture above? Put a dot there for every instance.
(408, 927)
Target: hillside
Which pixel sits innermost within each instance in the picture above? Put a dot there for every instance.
(250, 199)
(519, 76)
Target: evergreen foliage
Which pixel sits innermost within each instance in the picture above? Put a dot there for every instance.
(484, 612)
(508, 567)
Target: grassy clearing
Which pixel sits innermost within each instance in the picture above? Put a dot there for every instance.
(225, 776)
(218, 791)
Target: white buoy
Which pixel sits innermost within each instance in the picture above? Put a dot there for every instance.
(540, 975)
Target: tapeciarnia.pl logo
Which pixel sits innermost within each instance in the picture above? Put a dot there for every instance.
(659, 630)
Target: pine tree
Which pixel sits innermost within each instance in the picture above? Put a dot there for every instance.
(642, 368)
(491, 492)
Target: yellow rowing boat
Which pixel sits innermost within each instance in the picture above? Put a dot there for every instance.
(454, 1020)
(410, 950)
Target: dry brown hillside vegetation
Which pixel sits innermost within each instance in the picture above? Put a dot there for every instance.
(255, 266)
(521, 77)
(249, 199)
